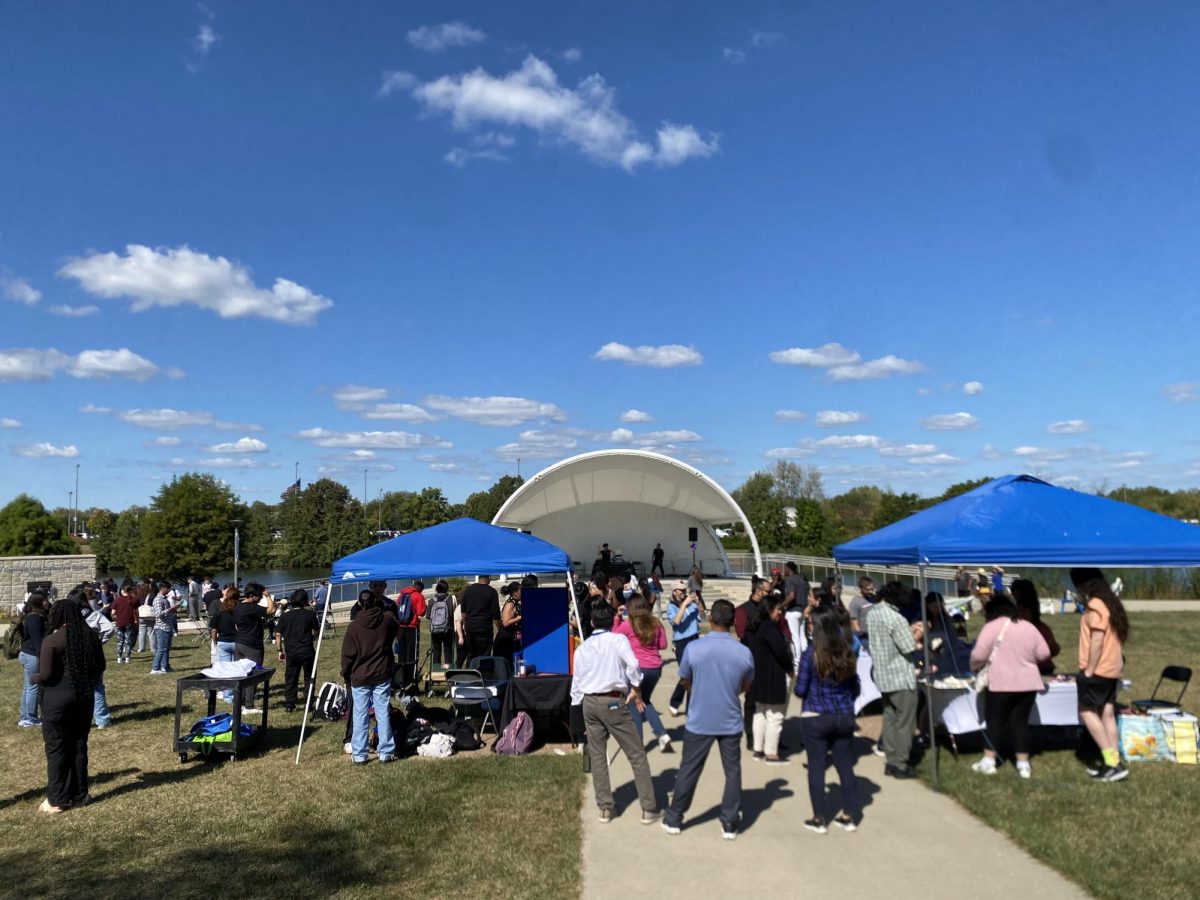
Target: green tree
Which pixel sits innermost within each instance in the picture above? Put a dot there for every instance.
(27, 529)
(812, 535)
(259, 546)
(764, 510)
(960, 488)
(893, 507)
(483, 505)
(322, 523)
(851, 514)
(794, 482)
(187, 530)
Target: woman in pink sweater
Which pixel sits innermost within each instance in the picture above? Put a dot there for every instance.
(647, 638)
(1015, 648)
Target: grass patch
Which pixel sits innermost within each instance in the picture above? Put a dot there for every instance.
(262, 827)
(1139, 836)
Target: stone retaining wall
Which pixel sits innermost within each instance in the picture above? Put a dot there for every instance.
(64, 571)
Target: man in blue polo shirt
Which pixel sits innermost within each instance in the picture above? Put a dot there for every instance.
(718, 669)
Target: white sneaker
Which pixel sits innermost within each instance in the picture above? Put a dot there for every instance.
(672, 710)
(1025, 771)
(984, 766)
(664, 743)
(879, 751)
(348, 747)
(251, 711)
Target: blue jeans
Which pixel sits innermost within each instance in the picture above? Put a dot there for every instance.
(832, 734)
(225, 654)
(100, 713)
(162, 649)
(680, 691)
(126, 638)
(695, 751)
(379, 695)
(649, 680)
(146, 636)
(29, 693)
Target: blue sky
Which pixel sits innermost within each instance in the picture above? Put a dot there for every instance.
(908, 244)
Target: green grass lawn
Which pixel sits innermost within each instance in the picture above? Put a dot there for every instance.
(1140, 837)
(263, 827)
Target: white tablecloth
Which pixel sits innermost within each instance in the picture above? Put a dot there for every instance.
(961, 709)
(867, 692)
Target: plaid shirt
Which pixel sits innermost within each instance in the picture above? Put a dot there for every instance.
(821, 695)
(891, 642)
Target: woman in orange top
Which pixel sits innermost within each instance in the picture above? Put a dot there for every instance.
(1103, 631)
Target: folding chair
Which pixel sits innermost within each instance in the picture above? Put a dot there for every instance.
(471, 694)
(1180, 674)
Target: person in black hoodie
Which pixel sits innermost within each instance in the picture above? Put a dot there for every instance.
(367, 666)
(294, 636)
(772, 665)
(33, 631)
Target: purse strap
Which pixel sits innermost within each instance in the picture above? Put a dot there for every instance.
(999, 641)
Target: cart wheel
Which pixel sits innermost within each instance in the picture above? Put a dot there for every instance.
(183, 757)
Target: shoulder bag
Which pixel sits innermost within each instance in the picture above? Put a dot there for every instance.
(981, 677)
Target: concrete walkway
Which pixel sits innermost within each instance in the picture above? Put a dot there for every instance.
(912, 842)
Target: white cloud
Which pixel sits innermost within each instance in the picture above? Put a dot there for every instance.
(1070, 426)
(73, 312)
(400, 412)
(884, 367)
(92, 408)
(659, 438)
(204, 40)
(936, 459)
(621, 436)
(171, 419)
(19, 290)
(832, 418)
(6, 422)
(444, 467)
(393, 81)
(228, 462)
(241, 445)
(460, 156)
(850, 441)
(765, 38)
(537, 445)
(831, 354)
(636, 415)
(46, 451)
(436, 38)
(973, 388)
(496, 411)
(907, 449)
(162, 441)
(572, 54)
(355, 396)
(585, 117)
(28, 364)
(1184, 392)
(1039, 455)
(789, 452)
(666, 356)
(790, 415)
(923, 392)
(175, 373)
(959, 421)
(733, 55)
(1127, 464)
(372, 440)
(180, 276)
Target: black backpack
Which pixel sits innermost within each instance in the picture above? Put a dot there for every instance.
(404, 607)
(463, 733)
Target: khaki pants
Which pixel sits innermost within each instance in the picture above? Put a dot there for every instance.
(899, 717)
(601, 722)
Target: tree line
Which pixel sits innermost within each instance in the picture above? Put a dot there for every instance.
(187, 528)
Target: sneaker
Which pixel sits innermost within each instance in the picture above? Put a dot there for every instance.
(845, 823)
(387, 759)
(1099, 773)
(359, 762)
(1025, 771)
(729, 832)
(984, 766)
(903, 774)
(759, 757)
(664, 743)
(47, 808)
(817, 824)
(879, 751)
(347, 747)
(1117, 773)
(649, 817)
(673, 710)
(28, 723)
(669, 828)
(251, 711)
(87, 798)
(606, 816)
(158, 671)
(777, 761)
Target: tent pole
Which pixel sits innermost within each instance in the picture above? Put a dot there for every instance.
(316, 656)
(575, 607)
(921, 583)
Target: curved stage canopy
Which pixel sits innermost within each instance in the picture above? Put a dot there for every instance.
(631, 500)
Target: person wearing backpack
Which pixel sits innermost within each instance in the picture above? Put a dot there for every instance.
(440, 613)
(367, 666)
(410, 607)
(32, 629)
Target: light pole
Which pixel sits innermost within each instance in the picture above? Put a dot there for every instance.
(379, 525)
(70, 507)
(237, 547)
(76, 519)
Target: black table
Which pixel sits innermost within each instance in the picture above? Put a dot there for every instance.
(549, 694)
(214, 686)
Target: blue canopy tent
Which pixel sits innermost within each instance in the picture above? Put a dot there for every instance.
(1022, 520)
(460, 547)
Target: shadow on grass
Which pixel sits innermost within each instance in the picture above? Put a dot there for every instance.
(40, 790)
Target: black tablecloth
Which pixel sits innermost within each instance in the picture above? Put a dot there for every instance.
(537, 693)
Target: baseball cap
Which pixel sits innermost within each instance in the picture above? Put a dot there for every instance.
(680, 586)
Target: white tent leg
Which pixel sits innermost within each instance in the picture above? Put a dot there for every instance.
(921, 584)
(316, 656)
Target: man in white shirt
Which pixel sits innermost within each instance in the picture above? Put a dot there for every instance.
(605, 683)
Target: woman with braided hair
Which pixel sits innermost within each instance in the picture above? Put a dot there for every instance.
(71, 663)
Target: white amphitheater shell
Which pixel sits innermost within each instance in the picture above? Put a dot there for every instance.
(631, 500)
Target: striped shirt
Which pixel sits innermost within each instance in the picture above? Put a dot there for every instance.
(891, 642)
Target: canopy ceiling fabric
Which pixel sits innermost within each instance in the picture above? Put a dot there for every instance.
(621, 476)
(461, 547)
(1021, 520)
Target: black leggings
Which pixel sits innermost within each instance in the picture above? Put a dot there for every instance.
(1007, 715)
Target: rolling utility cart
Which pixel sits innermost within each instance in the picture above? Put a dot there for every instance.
(237, 744)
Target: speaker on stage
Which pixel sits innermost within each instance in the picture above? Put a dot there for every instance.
(693, 535)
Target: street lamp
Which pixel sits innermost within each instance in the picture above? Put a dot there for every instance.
(75, 521)
(70, 506)
(237, 546)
